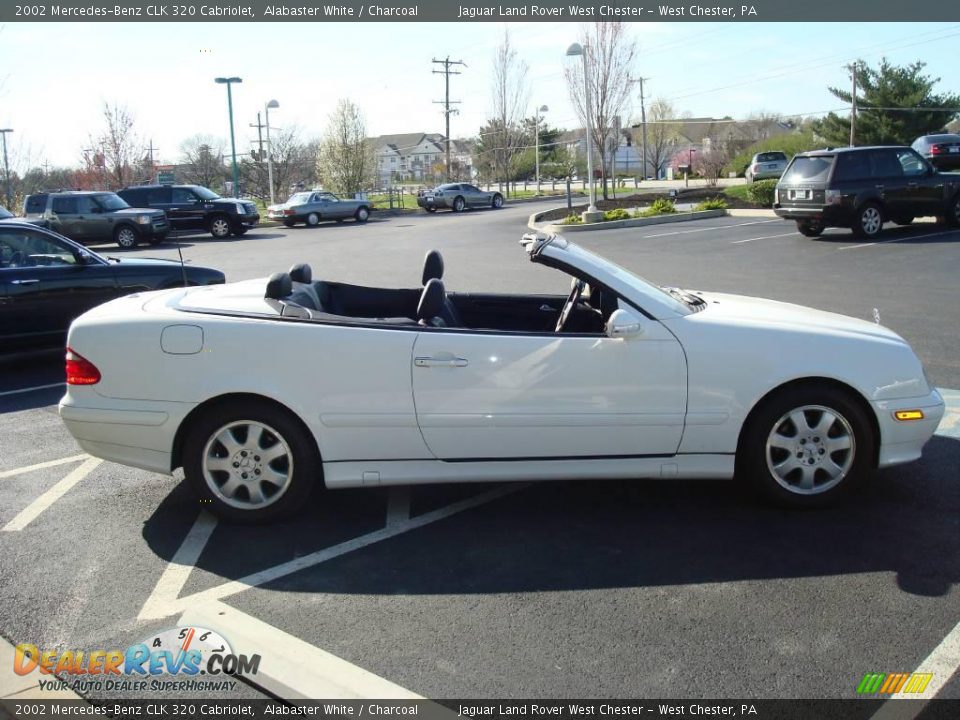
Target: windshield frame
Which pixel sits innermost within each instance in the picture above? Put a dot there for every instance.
(203, 193)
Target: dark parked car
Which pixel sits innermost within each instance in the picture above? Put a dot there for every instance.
(457, 197)
(91, 217)
(861, 188)
(192, 207)
(941, 151)
(46, 280)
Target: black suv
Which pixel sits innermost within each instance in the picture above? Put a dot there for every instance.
(192, 207)
(863, 187)
(91, 217)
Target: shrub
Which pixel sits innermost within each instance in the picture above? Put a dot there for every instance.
(616, 214)
(761, 192)
(572, 219)
(662, 206)
(716, 203)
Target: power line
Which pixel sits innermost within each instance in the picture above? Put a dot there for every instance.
(446, 102)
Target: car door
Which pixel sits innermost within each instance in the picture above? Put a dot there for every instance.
(98, 222)
(330, 206)
(890, 183)
(47, 282)
(924, 191)
(65, 217)
(185, 209)
(513, 395)
(474, 196)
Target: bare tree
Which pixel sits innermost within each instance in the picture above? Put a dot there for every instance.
(294, 165)
(118, 145)
(201, 161)
(663, 132)
(610, 54)
(511, 96)
(347, 161)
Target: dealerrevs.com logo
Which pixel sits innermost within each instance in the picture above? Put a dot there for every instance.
(185, 652)
(893, 683)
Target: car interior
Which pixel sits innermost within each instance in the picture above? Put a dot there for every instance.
(296, 294)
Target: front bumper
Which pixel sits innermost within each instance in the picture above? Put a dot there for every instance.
(249, 220)
(903, 441)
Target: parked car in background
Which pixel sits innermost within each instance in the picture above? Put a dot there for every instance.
(91, 217)
(458, 197)
(766, 166)
(275, 387)
(313, 206)
(193, 207)
(942, 151)
(863, 187)
(46, 280)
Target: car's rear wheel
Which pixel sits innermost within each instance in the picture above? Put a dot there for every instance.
(313, 219)
(362, 214)
(250, 461)
(219, 227)
(458, 204)
(126, 237)
(810, 228)
(289, 223)
(869, 221)
(497, 201)
(903, 219)
(806, 446)
(430, 209)
(953, 212)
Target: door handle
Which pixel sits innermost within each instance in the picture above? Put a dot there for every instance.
(879, 187)
(440, 362)
(31, 281)
(547, 308)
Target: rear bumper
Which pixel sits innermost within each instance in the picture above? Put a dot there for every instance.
(832, 215)
(902, 442)
(433, 203)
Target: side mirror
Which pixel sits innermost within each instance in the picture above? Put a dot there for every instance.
(623, 324)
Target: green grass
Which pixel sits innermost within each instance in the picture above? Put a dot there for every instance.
(737, 191)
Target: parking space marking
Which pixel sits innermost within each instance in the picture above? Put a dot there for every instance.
(291, 668)
(161, 605)
(764, 237)
(34, 509)
(713, 228)
(31, 389)
(896, 239)
(41, 466)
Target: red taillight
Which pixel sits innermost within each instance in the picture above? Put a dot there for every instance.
(80, 371)
(936, 150)
(756, 168)
(288, 211)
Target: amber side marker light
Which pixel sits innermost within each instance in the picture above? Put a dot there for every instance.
(80, 371)
(903, 415)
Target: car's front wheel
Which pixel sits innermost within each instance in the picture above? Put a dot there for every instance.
(126, 237)
(250, 461)
(806, 446)
(497, 201)
(868, 222)
(220, 227)
(362, 214)
(810, 228)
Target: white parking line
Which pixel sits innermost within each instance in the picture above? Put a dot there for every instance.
(398, 505)
(41, 466)
(715, 228)
(896, 239)
(163, 603)
(291, 668)
(34, 509)
(31, 389)
(764, 237)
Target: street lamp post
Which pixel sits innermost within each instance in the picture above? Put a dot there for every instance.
(591, 214)
(272, 104)
(536, 142)
(6, 168)
(233, 143)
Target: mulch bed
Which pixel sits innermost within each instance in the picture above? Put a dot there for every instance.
(691, 195)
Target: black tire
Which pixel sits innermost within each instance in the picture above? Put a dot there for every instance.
(756, 462)
(313, 219)
(278, 423)
(240, 230)
(809, 228)
(126, 236)
(219, 227)
(430, 209)
(458, 204)
(903, 219)
(953, 212)
(868, 222)
(362, 214)
(497, 201)
(289, 223)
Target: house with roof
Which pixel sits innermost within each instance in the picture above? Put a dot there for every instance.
(417, 157)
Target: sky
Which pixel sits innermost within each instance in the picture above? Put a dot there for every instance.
(55, 77)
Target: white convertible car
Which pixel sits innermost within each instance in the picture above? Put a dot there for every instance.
(261, 390)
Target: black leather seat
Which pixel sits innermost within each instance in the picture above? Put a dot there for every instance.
(431, 304)
(433, 270)
(304, 293)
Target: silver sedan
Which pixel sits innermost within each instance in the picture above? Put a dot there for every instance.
(312, 207)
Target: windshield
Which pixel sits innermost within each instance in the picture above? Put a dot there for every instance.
(205, 194)
(110, 201)
(299, 198)
(808, 169)
(771, 157)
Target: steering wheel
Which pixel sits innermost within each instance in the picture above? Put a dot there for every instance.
(571, 303)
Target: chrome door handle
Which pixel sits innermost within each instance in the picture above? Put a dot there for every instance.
(547, 308)
(440, 362)
(879, 187)
(31, 281)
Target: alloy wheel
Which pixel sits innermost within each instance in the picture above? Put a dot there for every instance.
(247, 464)
(220, 228)
(126, 237)
(871, 221)
(810, 449)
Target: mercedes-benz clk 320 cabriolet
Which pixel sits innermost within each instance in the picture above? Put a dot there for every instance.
(261, 390)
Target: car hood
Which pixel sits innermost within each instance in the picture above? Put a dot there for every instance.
(742, 309)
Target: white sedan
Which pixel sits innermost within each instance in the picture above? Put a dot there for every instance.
(264, 389)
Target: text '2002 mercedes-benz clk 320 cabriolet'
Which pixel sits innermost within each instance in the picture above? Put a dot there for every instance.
(263, 389)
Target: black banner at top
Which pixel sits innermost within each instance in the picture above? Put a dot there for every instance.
(478, 11)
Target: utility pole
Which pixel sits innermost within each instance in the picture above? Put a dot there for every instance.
(643, 122)
(150, 150)
(259, 126)
(6, 167)
(853, 104)
(446, 102)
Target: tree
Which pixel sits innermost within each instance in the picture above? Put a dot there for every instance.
(201, 161)
(294, 165)
(117, 149)
(610, 55)
(511, 96)
(663, 133)
(881, 93)
(347, 161)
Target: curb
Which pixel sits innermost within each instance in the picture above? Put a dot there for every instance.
(26, 687)
(532, 222)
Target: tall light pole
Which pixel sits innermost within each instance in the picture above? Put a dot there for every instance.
(233, 143)
(853, 104)
(536, 142)
(6, 168)
(591, 214)
(272, 104)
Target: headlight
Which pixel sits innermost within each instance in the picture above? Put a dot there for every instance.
(143, 219)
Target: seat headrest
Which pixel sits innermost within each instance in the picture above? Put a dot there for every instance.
(301, 273)
(278, 286)
(432, 267)
(431, 300)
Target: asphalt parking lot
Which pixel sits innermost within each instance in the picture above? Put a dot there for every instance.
(613, 589)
